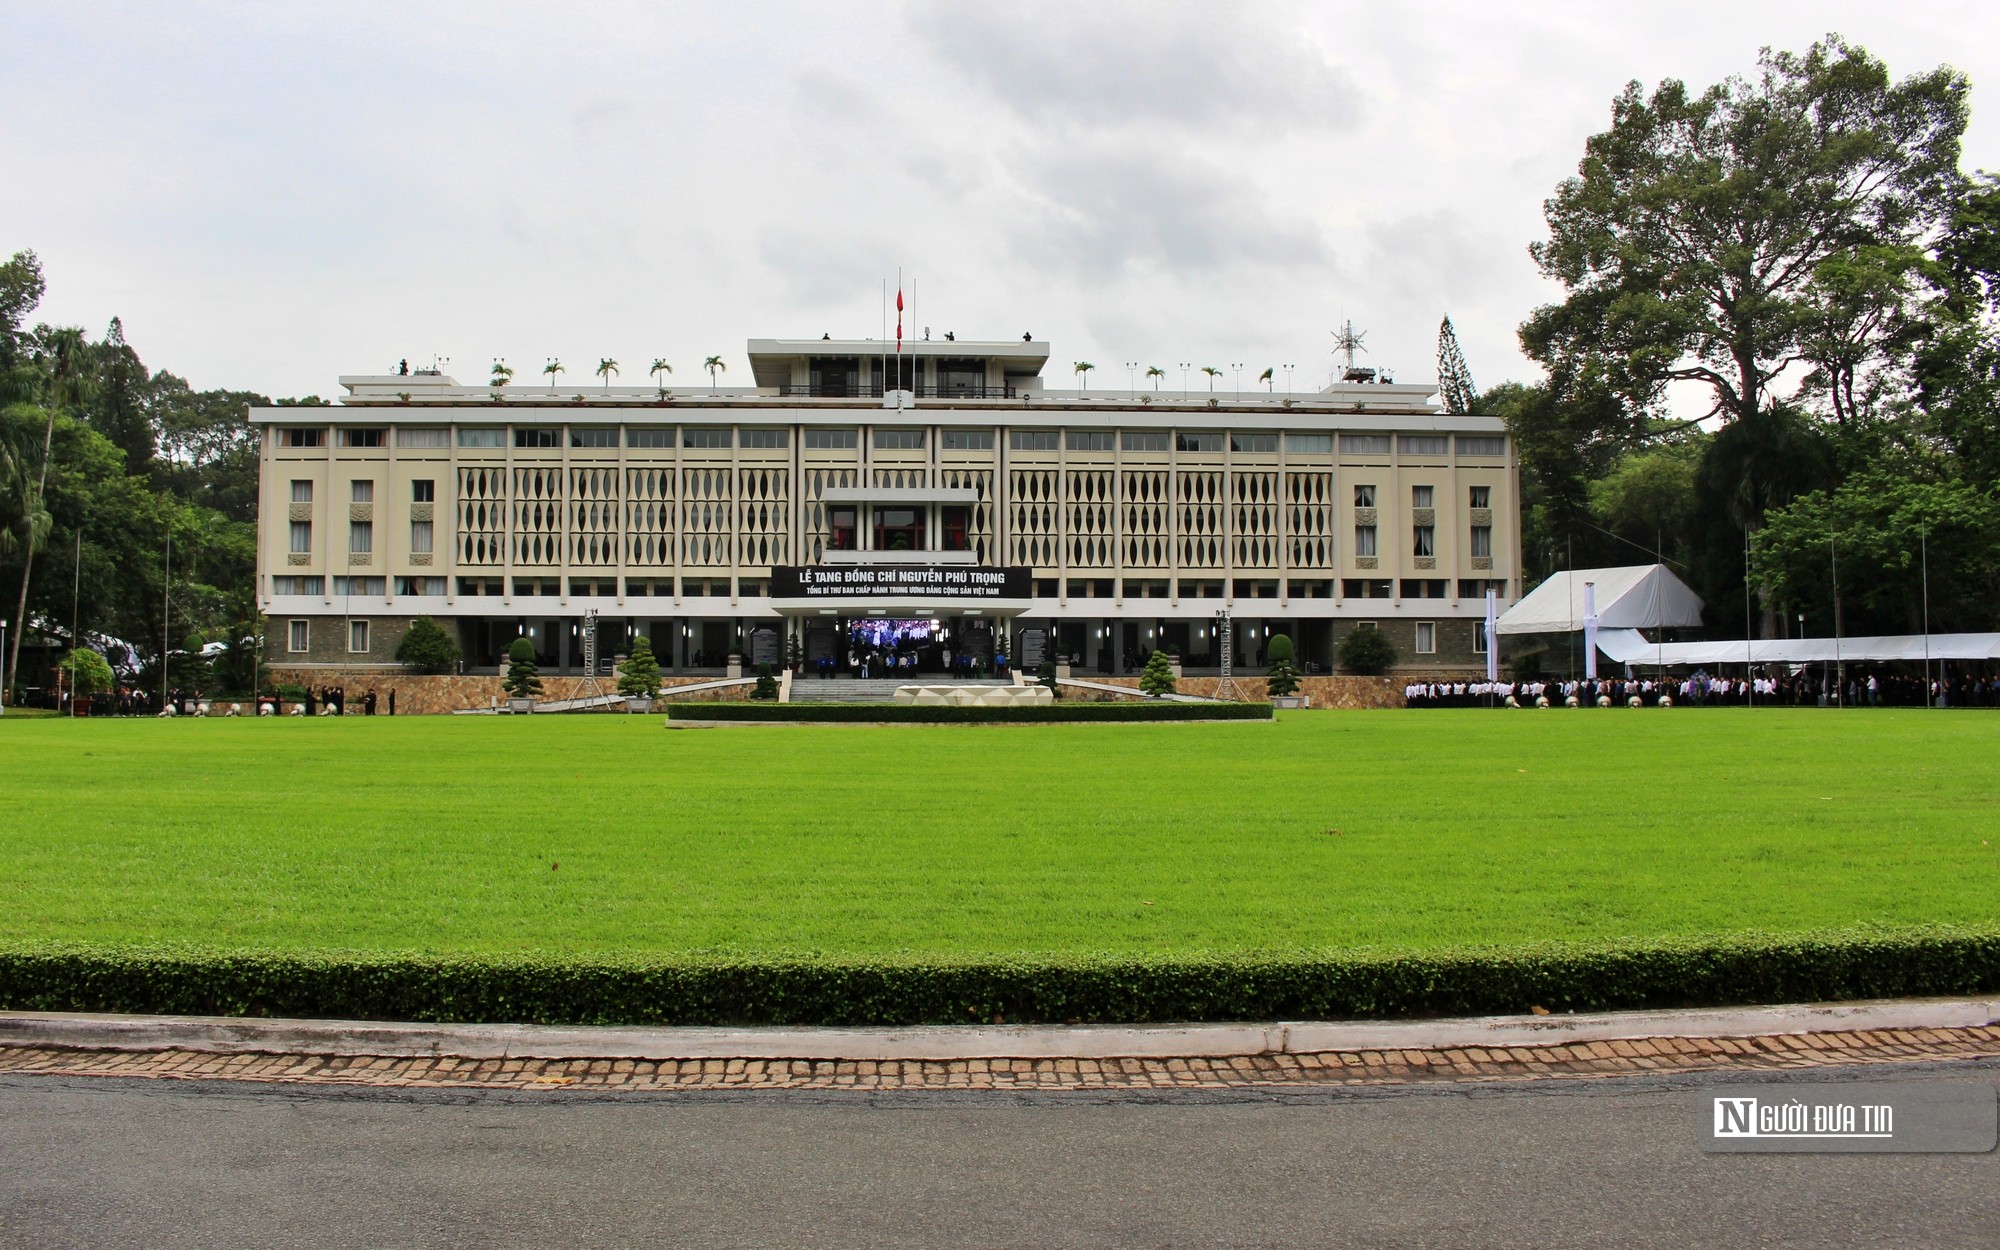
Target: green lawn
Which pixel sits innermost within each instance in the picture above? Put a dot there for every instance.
(1394, 831)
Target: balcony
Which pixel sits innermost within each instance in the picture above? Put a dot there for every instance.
(873, 390)
(894, 557)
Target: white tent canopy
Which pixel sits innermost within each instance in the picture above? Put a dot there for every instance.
(1640, 596)
(1629, 646)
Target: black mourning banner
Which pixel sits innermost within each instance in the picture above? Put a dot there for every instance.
(943, 582)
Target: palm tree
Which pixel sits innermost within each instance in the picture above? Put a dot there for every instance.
(1213, 373)
(1156, 373)
(1083, 368)
(659, 367)
(1265, 378)
(714, 365)
(607, 369)
(552, 369)
(502, 374)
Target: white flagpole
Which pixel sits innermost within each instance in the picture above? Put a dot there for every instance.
(1492, 651)
(1590, 631)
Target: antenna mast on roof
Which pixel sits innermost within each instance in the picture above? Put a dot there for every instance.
(1346, 342)
(1454, 375)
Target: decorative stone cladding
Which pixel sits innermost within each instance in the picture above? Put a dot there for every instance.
(416, 696)
(1325, 692)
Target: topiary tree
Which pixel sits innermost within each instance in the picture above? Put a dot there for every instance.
(427, 648)
(795, 653)
(1046, 674)
(1367, 653)
(524, 679)
(639, 676)
(1158, 677)
(1282, 677)
(86, 671)
(766, 688)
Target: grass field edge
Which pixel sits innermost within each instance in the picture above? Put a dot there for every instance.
(904, 714)
(548, 990)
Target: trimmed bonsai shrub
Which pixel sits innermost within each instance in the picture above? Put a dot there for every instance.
(766, 688)
(86, 671)
(524, 679)
(795, 653)
(1283, 676)
(1367, 653)
(427, 648)
(1046, 674)
(639, 676)
(1158, 677)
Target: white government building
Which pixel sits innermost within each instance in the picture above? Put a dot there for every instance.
(943, 501)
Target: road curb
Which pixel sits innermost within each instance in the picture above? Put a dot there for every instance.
(233, 1035)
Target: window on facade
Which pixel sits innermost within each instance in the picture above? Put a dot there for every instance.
(1479, 445)
(841, 529)
(479, 586)
(899, 438)
(1198, 442)
(298, 636)
(1032, 440)
(357, 636)
(360, 536)
(423, 490)
(420, 537)
(831, 440)
(1482, 540)
(1144, 440)
(1309, 444)
(1481, 496)
(899, 529)
(292, 584)
(593, 436)
(767, 439)
(1422, 444)
(532, 437)
(1427, 637)
(1366, 588)
(1423, 496)
(1479, 638)
(956, 522)
(1309, 588)
(486, 437)
(362, 490)
(1090, 588)
(302, 491)
(302, 537)
(1254, 444)
(1256, 588)
(1423, 540)
(966, 440)
(654, 438)
(1425, 587)
(585, 587)
(710, 438)
(361, 438)
(420, 585)
(1146, 587)
(1365, 444)
(531, 586)
(1364, 540)
(1364, 496)
(358, 585)
(406, 437)
(1201, 588)
(1089, 440)
(301, 438)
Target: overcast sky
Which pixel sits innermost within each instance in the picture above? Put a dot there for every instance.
(273, 194)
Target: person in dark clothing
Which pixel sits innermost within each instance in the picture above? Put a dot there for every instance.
(312, 702)
(392, 700)
(368, 702)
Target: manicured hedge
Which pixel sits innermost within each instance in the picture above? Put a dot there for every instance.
(896, 713)
(805, 992)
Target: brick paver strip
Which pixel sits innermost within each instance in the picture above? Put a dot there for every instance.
(1366, 1067)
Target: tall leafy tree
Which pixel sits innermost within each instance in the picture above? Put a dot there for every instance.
(1726, 236)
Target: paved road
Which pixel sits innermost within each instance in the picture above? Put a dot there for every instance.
(1612, 1162)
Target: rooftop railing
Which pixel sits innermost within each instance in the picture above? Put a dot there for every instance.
(873, 390)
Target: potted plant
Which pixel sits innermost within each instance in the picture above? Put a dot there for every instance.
(795, 655)
(524, 679)
(1158, 678)
(639, 676)
(1282, 676)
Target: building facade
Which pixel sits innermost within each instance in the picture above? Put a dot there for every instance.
(940, 503)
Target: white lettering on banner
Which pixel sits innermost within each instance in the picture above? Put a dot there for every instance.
(824, 582)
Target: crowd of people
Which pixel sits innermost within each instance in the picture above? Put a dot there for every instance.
(901, 662)
(189, 701)
(1864, 687)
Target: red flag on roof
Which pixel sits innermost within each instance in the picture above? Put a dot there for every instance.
(899, 318)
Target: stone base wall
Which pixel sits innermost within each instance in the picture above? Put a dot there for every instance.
(418, 696)
(1331, 692)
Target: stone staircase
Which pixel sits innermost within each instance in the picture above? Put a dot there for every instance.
(874, 690)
